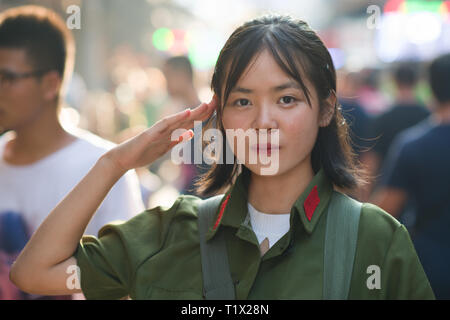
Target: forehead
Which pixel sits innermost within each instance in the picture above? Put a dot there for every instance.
(263, 70)
(264, 73)
(13, 59)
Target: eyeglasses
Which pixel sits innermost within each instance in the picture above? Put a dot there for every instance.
(7, 78)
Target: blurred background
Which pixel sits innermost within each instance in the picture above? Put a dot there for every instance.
(119, 86)
(138, 61)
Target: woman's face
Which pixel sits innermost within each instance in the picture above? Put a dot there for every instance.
(267, 98)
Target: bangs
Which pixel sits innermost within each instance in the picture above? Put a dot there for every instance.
(290, 59)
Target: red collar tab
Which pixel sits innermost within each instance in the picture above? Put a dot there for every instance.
(222, 209)
(311, 203)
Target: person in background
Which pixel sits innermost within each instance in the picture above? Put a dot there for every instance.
(417, 169)
(355, 115)
(180, 86)
(370, 94)
(180, 81)
(352, 110)
(40, 161)
(404, 113)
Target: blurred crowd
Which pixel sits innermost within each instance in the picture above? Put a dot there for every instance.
(399, 123)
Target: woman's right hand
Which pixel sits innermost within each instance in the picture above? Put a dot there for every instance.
(154, 142)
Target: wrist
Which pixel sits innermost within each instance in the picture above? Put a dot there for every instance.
(110, 166)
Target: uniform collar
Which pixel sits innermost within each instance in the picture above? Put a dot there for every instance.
(310, 205)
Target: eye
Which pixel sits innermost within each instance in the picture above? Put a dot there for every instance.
(241, 102)
(6, 77)
(288, 99)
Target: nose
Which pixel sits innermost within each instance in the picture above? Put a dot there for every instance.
(264, 118)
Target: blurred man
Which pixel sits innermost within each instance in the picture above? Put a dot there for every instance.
(180, 81)
(180, 86)
(404, 113)
(348, 89)
(40, 162)
(417, 168)
(353, 112)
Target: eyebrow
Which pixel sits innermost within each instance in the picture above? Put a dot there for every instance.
(287, 85)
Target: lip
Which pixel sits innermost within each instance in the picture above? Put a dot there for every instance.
(263, 147)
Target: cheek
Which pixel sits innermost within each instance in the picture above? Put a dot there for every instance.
(232, 120)
(301, 132)
(22, 101)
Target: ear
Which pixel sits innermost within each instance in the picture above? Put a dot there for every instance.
(328, 109)
(51, 85)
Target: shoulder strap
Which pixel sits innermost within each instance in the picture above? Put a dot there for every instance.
(217, 281)
(340, 245)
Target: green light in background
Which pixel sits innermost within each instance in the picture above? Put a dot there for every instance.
(422, 6)
(414, 6)
(202, 59)
(163, 39)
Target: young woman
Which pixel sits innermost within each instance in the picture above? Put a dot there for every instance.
(274, 74)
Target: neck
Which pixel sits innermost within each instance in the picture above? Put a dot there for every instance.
(441, 114)
(39, 138)
(277, 194)
(405, 95)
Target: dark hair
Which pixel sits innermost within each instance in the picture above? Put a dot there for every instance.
(43, 35)
(406, 74)
(181, 63)
(439, 74)
(294, 47)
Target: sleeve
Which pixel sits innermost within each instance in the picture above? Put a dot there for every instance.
(123, 202)
(396, 168)
(108, 263)
(105, 271)
(405, 277)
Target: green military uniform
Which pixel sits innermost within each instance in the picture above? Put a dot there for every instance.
(156, 254)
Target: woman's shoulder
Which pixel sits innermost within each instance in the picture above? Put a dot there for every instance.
(378, 229)
(377, 219)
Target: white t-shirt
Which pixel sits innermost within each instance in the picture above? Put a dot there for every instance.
(32, 191)
(266, 225)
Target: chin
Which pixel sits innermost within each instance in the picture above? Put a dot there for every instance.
(266, 170)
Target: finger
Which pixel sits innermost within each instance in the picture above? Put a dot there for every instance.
(196, 112)
(201, 113)
(186, 136)
(214, 102)
(188, 124)
(186, 121)
(177, 117)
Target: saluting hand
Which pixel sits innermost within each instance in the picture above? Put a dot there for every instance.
(154, 142)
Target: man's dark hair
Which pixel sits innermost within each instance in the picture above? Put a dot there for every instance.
(181, 64)
(43, 35)
(439, 75)
(406, 74)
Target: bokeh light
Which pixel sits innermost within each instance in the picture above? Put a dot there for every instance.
(163, 39)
